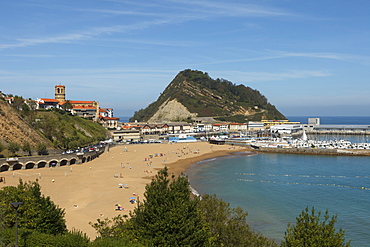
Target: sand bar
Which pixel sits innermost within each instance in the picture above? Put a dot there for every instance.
(91, 190)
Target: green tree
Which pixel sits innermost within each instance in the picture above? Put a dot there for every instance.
(168, 215)
(37, 211)
(171, 216)
(310, 231)
(13, 147)
(67, 106)
(228, 225)
(17, 102)
(27, 148)
(2, 148)
(41, 149)
(25, 109)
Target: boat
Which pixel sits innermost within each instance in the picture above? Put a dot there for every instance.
(182, 138)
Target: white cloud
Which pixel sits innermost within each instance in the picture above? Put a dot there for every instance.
(242, 77)
(230, 9)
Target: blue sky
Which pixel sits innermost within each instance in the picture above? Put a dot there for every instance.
(307, 57)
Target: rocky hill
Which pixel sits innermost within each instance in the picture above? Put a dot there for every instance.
(53, 128)
(14, 129)
(193, 93)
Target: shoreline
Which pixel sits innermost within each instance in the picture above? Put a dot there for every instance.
(90, 191)
(180, 166)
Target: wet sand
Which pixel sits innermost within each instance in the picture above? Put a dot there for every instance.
(91, 190)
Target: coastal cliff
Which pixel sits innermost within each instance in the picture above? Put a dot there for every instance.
(194, 93)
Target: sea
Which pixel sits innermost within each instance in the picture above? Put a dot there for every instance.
(275, 188)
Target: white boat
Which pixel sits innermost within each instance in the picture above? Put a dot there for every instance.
(182, 138)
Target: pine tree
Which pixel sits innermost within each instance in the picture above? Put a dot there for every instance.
(229, 226)
(168, 215)
(37, 211)
(309, 231)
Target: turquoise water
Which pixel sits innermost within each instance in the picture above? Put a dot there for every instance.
(275, 188)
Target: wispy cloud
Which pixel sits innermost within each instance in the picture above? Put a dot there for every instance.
(175, 43)
(242, 77)
(231, 9)
(334, 56)
(92, 33)
(270, 55)
(182, 11)
(30, 55)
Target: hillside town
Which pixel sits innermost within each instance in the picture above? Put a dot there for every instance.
(199, 128)
(86, 109)
(136, 132)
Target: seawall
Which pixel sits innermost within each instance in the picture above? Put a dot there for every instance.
(313, 151)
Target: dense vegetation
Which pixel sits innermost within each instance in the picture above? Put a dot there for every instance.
(40, 221)
(201, 94)
(168, 216)
(66, 131)
(309, 230)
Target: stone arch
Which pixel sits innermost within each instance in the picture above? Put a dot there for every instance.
(17, 166)
(4, 168)
(30, 165)
(53, 163)
(83, 159)
(41, 164)
(88, 158)
(73, 161)
(63, 162)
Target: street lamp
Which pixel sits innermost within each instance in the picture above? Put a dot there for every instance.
(15, 205)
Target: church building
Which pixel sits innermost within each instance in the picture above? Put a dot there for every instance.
(84, 109)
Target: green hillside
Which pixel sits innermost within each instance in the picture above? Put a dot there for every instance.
(66, 131)
(207, 97)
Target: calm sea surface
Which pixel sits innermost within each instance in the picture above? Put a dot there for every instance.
(275, 188)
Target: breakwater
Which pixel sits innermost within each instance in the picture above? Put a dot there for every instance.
(313, 151)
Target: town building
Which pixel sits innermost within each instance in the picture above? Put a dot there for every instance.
(44, 103)
(84, 109)
(107, 120)
(254, 126)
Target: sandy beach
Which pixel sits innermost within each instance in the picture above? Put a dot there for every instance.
(91, 190)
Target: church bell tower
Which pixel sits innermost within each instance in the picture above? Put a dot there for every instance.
(60, 93)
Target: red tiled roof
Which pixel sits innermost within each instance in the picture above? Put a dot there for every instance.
(80, 102)
(130, 126)
(83, 107)
(50, 100)
(110, 118)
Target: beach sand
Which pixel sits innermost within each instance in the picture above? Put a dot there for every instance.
(90, 191)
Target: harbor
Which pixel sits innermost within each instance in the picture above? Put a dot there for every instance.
(311, 138)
